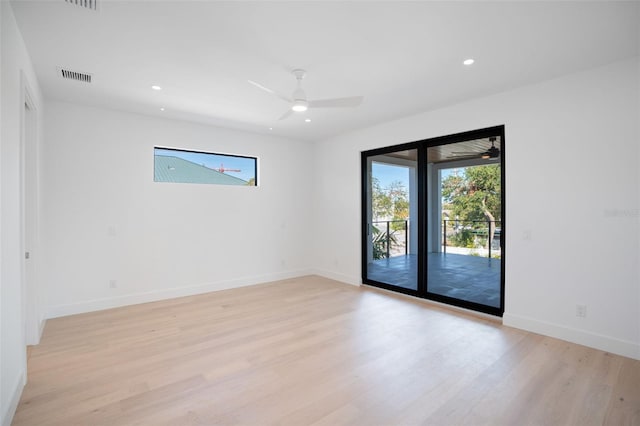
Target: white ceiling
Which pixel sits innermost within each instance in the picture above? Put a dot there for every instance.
(403, 57)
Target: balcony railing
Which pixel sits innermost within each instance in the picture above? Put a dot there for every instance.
(472, 234)
(392, 238)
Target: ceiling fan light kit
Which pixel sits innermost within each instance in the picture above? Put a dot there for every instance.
(299, 101)
(300, 105)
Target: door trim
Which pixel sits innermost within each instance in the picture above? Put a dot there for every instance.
(31, 318)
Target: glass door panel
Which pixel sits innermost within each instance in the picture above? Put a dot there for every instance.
(465, 211)
(391, 217)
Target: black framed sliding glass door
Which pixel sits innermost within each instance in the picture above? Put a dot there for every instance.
(391, 219)
(433, 219)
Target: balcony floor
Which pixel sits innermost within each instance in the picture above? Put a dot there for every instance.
(471, 278)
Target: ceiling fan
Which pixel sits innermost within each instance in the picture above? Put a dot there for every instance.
(492, 152)
(299, 102)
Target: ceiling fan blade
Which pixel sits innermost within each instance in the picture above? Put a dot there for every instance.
(353, 101)
(466, 153)
(273, 92)
(286, 114)
(260, 86)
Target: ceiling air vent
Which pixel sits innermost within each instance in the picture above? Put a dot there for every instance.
(75, 75)
(87, 4)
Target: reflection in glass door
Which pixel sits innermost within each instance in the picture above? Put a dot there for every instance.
(392, 212)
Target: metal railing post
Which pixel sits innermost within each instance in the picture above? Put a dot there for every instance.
(489, 237)
(406, 237)
(388, 239)
(444, 236)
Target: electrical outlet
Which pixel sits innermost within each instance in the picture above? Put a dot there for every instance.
(113, 284)
(581, 311)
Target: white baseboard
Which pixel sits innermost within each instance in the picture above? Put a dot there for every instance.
(337, 276)
(170, 293)
(33, 338)
(7, 416)
(41, 325)
(581, 337)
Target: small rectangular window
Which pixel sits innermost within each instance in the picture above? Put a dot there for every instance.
(182, 166)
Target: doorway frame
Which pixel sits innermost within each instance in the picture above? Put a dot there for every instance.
(365, 203)
(423, 232)
(32, 322)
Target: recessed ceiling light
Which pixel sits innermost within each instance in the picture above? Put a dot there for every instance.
(161, 109)
(156, 87)
(468, 61)
(308, 120)
(270, 128)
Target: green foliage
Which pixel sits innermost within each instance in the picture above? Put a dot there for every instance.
(390, 202)
(380, 243)
(400, 201)
(463, 238)
(380, 202)
(473, 194)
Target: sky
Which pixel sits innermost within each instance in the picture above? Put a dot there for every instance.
(444, 173)
(387, 173)
(214, 161)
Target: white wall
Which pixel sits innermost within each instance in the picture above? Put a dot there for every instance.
(104, 218)
(17, 73)
(572, 180)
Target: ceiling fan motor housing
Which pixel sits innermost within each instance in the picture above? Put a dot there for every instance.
(299, 95)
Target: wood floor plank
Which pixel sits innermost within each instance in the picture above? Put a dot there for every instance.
(313, 351)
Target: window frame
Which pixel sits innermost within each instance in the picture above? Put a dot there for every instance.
(255, 164)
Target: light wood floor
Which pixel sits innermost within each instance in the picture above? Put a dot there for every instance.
(313, 351)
